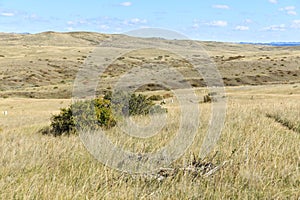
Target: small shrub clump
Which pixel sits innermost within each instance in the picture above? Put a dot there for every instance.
(156, 98)
(206, 99)
(139, 105)
(62, 123)
(100, 113)
(90, 114)
(210, 97)
(127, 104)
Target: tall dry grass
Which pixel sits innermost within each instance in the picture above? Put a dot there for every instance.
(263, 156)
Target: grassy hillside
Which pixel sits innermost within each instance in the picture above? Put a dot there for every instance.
(44, 65)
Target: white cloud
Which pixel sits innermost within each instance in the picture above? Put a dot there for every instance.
(195, 26)
(32, 17)
(296, 24)
(71, 23)
(248, 21)
(290, 10)
(127, 3)
(218, 23)
(7, 14)
(135, 21)
(281, 27)
(241, 28)
(287, 8)
(104, 27)
(106, 23)
(221, 7)
(70, 29)
(77, 22)
(273, 1)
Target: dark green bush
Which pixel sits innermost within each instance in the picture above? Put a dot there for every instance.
(126, 104)
(158, 109)
(139, 105)
(133, 104)
(62, 123)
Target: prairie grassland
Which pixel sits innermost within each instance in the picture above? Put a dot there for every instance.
(263, 156)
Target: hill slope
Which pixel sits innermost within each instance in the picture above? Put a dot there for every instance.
(44, 65)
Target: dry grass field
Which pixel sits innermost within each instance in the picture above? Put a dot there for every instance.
(262, 155)
(257, 155)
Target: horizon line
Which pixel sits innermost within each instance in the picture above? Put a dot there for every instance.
(195, 39)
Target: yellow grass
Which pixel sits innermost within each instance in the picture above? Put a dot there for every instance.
(263, 156)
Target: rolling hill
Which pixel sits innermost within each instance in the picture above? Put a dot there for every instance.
(44, 65)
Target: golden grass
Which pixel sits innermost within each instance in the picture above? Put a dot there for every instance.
(263, 156)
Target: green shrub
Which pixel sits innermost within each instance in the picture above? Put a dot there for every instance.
(62, 123)
(90, 114)
(158, 109)
(139, 105)
(127, 104)
(100, 113)
(93, 114)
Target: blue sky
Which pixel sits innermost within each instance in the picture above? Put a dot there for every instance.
(217, 20)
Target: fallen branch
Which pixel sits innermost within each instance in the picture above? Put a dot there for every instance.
(204, 169)
(214, 170)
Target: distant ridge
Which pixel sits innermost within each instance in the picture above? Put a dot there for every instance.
(278, 44)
